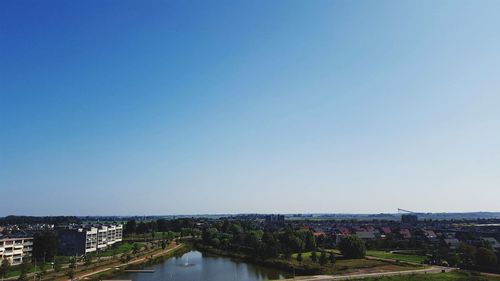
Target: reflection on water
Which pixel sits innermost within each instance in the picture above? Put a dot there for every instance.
(194, 266)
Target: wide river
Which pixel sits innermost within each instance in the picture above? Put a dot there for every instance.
(194, 266)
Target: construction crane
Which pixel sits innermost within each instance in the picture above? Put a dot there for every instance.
(405, 211)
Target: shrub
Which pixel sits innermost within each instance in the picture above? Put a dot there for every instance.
(352, 247)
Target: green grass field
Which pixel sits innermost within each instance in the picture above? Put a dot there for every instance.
(343, 266)
(122, 248)
(307, 255)
(449, 276)
(16, 271)
(377, 254)
(400, 257)
(346, 265)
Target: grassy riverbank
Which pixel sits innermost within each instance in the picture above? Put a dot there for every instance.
(308, 267)
(396, 256)
(140, 263)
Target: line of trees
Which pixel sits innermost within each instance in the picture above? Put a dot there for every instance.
(184, 227)
(44, 246)
(244, 237)
(468, 257)
(12, 220)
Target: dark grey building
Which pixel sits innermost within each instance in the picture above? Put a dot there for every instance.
(71, 242)
(409, 219)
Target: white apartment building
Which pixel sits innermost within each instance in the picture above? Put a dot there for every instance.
(15, 249)
(89, 239)
(99, 238)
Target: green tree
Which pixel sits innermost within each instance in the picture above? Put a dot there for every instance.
(287, 254)
(332, 258)
(486, 258)
(57, 264)
(252, 239)
(314, 256)
(88, 260)
(135, 248)
(162, 225)
(454, 260)
(290, 240)
(468, 254)
(4, 267)
(271, 245)
(72, 263)
(43, 270)
(44, 246)
(130, 227)
(299, 257)
(209, 234)
(24, 272)
(442, 252)
(196, 232)
(114, 252)
(23, 276)
(70, 273)
(215, 242)
(322, 258)
(310, 242)
(352, 247)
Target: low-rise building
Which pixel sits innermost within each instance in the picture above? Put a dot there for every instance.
(344, 231)
(429, 234)
(319, 233)
(87, 239)
(386, 230)
(405, 233)
(409, 219)
(16, 249)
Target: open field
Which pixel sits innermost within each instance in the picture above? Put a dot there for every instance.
(448, 276)
(366, 266)
(120, 249)
(307, 255)
(348, 266)
(16, 270)
(398, 275)
(399, 257)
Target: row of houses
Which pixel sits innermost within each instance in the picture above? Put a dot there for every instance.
(368, 232)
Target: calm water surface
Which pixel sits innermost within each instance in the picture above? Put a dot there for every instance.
(193, 266)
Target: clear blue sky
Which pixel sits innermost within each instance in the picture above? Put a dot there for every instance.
(180, 107)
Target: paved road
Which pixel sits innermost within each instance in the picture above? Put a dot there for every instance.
(431, 270)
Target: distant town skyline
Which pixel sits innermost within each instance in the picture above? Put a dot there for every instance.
(196, 107)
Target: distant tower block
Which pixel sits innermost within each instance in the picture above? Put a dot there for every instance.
(409, 219)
